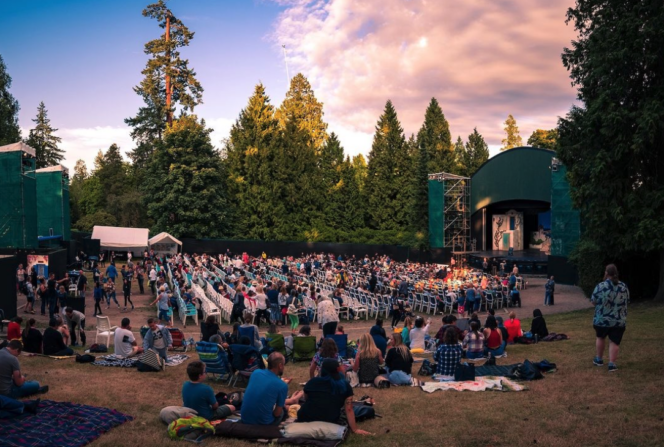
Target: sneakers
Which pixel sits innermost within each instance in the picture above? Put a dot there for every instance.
(613, 367)
(43, 389)
(598, 362)
(502, 356)
(31, 406)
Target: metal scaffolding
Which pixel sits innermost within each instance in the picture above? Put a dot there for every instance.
(456, 212)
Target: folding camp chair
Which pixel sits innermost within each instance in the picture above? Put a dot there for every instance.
(215, 359)
(341, 341)
(304, 348)
(246, 359)
(277, 343)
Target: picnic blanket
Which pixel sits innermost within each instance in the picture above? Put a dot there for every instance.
(54, 357)
(480, 384)
(60, 423)
(494, 370)
(120, 362)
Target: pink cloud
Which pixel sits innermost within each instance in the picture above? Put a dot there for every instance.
(481, 60)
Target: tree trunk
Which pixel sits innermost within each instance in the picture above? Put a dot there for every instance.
(660, 290)
(169, 92)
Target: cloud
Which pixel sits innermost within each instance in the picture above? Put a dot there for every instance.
(85, 143)
(481, 60)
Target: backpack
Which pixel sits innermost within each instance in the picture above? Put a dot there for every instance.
(426, 369)
(363, 412)
(87, 358)
(526, 371)
(182, 427)
(150, 361)
(98, 348)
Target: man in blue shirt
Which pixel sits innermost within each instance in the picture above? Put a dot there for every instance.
(266, 400)
(200, 397)
(111, 271)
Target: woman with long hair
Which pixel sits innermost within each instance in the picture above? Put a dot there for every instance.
(399, 361)
(405, 332)
(538, 326)
(328, 350)
(473, 342)
(32, 337)
(368, 360)
(493, 336)
(448, 355)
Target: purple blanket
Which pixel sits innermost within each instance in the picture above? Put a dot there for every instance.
(60, 423)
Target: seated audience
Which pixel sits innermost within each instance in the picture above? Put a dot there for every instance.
(200, 397)
(538, 326)
(125, 342)
(328, 350)
(405, 332)
(246, 328)
(495, 345)
(515, 296)
(53, 340)
(325, 397)
(12, 408)
(513, 327)
(340, 330)
(449, 321)
(473, 342)
(32, 338)
(368, 360)
(399, 362)
(265, 401)
(12, 382)
(14, 329)
(448, 355)
(418, 334)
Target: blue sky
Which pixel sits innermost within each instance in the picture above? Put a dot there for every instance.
(82, 59)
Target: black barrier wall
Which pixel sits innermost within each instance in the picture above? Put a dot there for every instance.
(8, 265)
(278, 249)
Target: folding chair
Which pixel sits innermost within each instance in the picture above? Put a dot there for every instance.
(215, 359)
(246, 359)
(341, 341)
(104, 329)
(304, 348)
(277, 343)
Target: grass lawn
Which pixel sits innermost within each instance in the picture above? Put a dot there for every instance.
(580, 404)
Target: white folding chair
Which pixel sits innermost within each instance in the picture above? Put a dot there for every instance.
(104, 329)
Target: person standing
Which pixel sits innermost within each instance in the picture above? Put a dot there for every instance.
(126, 289)
(140, 277)
(82, 284)
(75, 319)
(153, 280)
(157, 338)
(98, 295)
(610, 298)
(20, 278)
(549, 288)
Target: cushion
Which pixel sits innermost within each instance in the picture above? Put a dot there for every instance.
(323, 431)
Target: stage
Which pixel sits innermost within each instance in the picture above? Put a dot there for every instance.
(529, 261)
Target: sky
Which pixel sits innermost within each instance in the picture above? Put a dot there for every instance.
(482, 60)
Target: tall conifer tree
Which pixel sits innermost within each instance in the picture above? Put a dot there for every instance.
(43, 140)
(477, 152)
(419, 217)
(10, 132)
(436, 138)
(387, 185)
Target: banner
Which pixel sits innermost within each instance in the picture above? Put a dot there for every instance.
(40, 263)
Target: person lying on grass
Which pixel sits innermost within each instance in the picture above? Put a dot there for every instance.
(326, 395)
(266, 399)
(200, 397)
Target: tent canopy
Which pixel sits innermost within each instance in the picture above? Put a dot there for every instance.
(164, 238)
(120, 238)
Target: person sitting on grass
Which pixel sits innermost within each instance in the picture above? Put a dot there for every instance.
(328, 350)
(14, 329)
(157, 338)
(513, 327)
(448, 355)
(418, 335)
(200, 397)
(449, 321)
(473, 342)
(266, 399)
(32, 337)
(405, 332)
(493, 336)
(379, 336)
(325, 397)
(53, 341)
(12, 382)
(12, 408)
(399, 361)
(125, 342)
(368, 360)
(538, 327)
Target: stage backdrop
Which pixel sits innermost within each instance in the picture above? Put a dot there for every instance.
(508, 231)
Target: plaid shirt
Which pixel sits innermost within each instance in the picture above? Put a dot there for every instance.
(447, 358)
(474, 343)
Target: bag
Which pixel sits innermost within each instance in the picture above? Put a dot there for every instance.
(304, 320)
(464, 371)
(461, 309)
(182, 427)
(98, 348)
(150, 361)
(234, 399)
(426, 369)
(86, 358)
(363, 412)
(353, 379)
(526, 371)
(382, 382)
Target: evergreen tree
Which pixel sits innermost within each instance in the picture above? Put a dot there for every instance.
(436, 138)
(249, 159)
(332, 183)
(301, 106)
(461, 157)
(168, 82)
(111, 171)
(10, 132)
(351, 212)
(360, 169)
(545, 139)
(476, 153)
(185, 183)
(613, 145)
(387, 184)
(75, 190)
(419, 217)
(513, 139)
(43, 140)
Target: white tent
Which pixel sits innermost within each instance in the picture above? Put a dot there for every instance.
(164, 243)
(121, 238)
